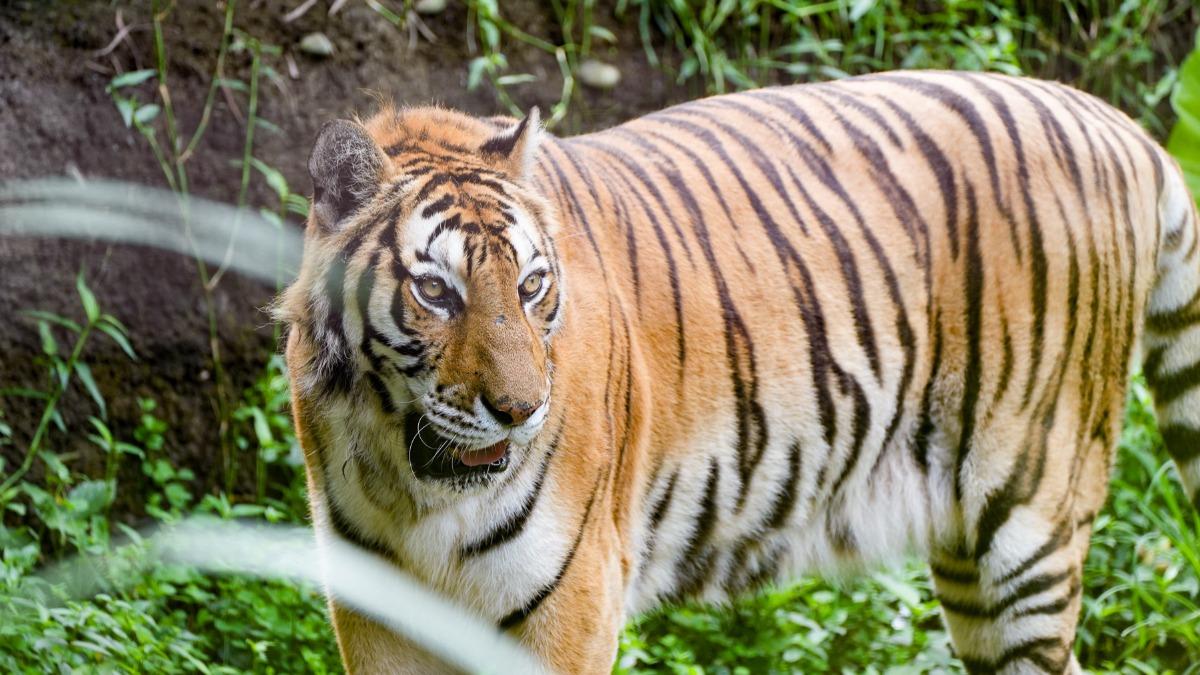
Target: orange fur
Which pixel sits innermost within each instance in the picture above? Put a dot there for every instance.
(798, 329)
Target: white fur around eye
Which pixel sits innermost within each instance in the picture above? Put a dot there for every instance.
(542, 290)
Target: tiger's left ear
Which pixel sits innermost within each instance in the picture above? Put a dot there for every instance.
(513, 150)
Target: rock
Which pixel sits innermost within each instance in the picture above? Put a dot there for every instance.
(316, 44)
(598, 75)
(430, 6)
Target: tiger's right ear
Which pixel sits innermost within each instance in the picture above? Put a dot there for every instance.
(346, 166)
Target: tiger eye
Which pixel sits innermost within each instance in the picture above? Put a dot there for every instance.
(432, 288)
(531, 285)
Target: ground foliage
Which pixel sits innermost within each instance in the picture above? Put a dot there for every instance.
(1142, 579)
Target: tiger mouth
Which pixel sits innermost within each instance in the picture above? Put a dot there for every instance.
(435, 457)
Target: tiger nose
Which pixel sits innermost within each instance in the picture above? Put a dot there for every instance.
(509, 412)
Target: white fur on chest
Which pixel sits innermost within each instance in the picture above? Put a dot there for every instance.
(429, 540)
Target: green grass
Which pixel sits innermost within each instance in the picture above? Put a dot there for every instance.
(1120, 50)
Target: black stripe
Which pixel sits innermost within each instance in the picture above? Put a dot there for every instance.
(821, 360)
(656, 516)
(1054, 132)
(1038, 264)
(430, 185)
(1168, 388)
(673, 277)
(739, 348)
(1174, 321)
(1061, 536)
(925, 425)
(965, 110)
(785, 499)
(696, 562)
(847, 263)
(942, 171)
(855, 102)
(973, 290)
(623, 220)
(904, 331)
(443, 203)
(347, 531)
(1056, 606)
(1183, 442)
(660, 508)
(903, 207)
(1034, 652)
(794, 111)
(1027, 589)
(504, 143)
(964, 577)
(521, 613)
(515, 525)
(1008, 359)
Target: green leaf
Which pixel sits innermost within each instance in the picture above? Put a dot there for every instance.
(55, 466)
(297, 204)
(901, 589)
(230, 83)
(85, 376)
(1184, 142)
(262, 430)
(90, 496)
(860, 8)
(267, 126)
(273, 177)
(475, 71)
(602, 33)
(515, 78)
(491, 35)
(118, 336)
(132, 78)
(49, 344)
(145, 114)
(126, 107)
(52, 318)
(24, 392)
(105, 434)
(90, 306)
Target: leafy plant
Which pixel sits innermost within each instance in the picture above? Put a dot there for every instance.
(1184, 142)
(61, 371)
(158, 116)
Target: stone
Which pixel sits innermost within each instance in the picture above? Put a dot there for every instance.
(316, 44)
(598, 75)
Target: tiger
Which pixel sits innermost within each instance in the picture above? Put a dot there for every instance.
(792, 330)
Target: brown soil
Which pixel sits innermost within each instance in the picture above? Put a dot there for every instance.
(56, 118)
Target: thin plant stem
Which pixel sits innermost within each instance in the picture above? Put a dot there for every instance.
(247, 155)
(211, 97)
(48, 412)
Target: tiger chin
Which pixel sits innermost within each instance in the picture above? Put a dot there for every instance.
(808, 328)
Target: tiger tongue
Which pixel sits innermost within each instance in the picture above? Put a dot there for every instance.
(492, 453)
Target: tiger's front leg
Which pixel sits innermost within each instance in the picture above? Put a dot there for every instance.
(573, 632)
(570, 624)
(369, 648)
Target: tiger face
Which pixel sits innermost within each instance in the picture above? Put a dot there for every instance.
(432, 269)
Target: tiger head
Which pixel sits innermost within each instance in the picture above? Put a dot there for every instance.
(429, 291)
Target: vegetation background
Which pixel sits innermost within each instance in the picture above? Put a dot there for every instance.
(137, 387)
